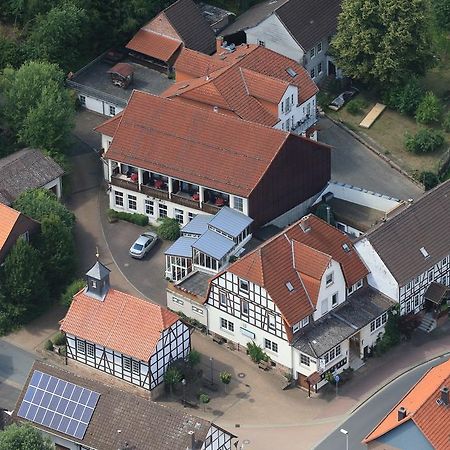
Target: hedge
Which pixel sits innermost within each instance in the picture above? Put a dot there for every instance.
(137, 219)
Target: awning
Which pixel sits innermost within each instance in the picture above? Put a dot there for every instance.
(314, 378)
(436, 293)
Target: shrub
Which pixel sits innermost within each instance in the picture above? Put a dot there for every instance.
(71, 290)
(424, 141)
(225, 377)
(48, 345)
(429, 109)
(288, 376)
(172, 377)
(194, 358)
(446, 123)
(204, 398)
(256, 353)
(429, 180)
(391, 336)
(356, 106)
(137, 219)
(59, 339)
(405, 98)
(169, 229)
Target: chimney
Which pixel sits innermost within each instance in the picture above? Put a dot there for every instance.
(328, 214)
(219, 43)
(401, 413)
(191, 440)
(444, 396)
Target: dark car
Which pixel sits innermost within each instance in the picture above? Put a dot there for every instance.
(342, 99)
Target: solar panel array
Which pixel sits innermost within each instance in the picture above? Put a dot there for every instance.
(58, 404)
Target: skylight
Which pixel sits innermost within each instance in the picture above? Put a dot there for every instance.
(289, 286)
(346, 248)
(291, 72)
(424, 252)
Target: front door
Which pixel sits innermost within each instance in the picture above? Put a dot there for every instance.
(302, 381)
(331, 69)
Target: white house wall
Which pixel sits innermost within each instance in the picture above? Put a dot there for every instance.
(326, 292)
(99, 106)
(253, 327)
(176, 301)
(55, 185)
(216, 439)
(275, 37)
(379, 277)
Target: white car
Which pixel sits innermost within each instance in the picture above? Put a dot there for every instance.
(342, 99)
(143, 244)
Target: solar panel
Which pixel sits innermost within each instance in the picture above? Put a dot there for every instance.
(58, 404)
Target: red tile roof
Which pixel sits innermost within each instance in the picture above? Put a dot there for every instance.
(122, 69)
(121, 322)
(197, 145)
(241, 78)
(299, 258)
(154, 44)
(8, 218)
(432, 419)
(109, 127)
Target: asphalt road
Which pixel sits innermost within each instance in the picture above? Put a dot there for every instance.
(370, 413)
(353, 163)
(15, 364)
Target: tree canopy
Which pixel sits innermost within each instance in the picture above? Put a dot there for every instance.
(383, 42)
(24, 437)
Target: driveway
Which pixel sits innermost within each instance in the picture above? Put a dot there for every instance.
(353, 163)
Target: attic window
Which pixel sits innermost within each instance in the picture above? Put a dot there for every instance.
(291, 72)
(346, 248)
(424, 252)
(289, 286)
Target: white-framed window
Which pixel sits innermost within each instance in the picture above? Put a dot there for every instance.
(191, 215)
(244, 307)
(319, 68)
(93, 284)
(112, 110)
(305, 321)
(312, 73)
(126, 361)
(81, 347)
(149, 207)
(223, 298)
(430, 275)
(136, 366)
(90, 349)
(312, 53)
(271, 321)
(416, 301)
(238, 203)
(416, 281)
(118, 198)
(288, 105)
(132, 202)
(296, 327)
(261, 43)
(408, 306)
(332, 354)
(270, 345)
(334, 300)
(226, 325)
(319, 47)
(329, 279)
(162, 210)
(444, 261)
(179, 215)
(82, 100)
(444, 279)
(243, 285)
(178, 301)
(378, 322)
(287, 124)
(197, 310)
(304, 360)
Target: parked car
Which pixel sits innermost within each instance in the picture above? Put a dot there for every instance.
(342, 99)
(143, 244)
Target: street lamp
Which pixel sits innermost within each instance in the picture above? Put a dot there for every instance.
(183, 382)
(345, 433)
(211, 360)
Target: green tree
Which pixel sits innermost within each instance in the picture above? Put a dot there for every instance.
(10, 52)
(405, 98)
(23, 278)
(48, 125)
(172, 377)
(71, 290)
(24, 437)
(383, 41)
(194, 358)
(56, 36)
(442, 13)
(40, 204)
(424, 141)
(429, 180)
(225, 378)
(169, 229)
(429, 109)
(57, 249)
(22, 89)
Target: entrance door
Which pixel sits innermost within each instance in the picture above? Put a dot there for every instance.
(331, 69)
(302, 381)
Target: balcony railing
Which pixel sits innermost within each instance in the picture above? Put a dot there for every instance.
(185, 201)
(125, 184)
(153, 192)
(308, 122)
(211, 209)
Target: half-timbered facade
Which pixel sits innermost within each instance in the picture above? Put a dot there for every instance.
(214, 161)
(302, 297)
(411, 250)
(117, 420)
(122, 335)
